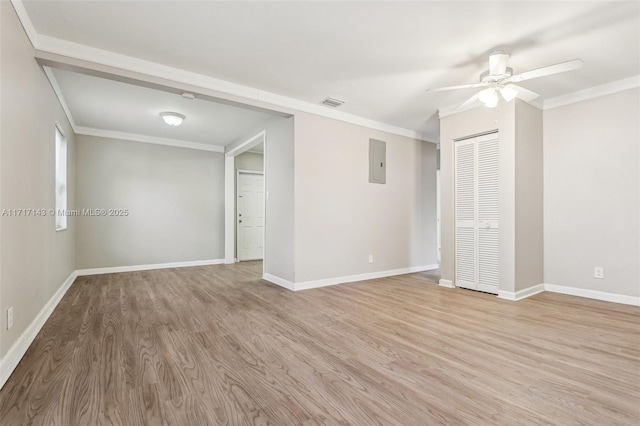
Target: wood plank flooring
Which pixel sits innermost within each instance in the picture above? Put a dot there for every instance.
(216, 345)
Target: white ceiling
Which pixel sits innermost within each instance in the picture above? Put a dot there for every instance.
(378, 56)
(112, 105)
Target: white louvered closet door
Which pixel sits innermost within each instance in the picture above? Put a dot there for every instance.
(477, 220)
(465, 198)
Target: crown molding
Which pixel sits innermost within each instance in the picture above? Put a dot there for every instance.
(73, 50)
(134, 137)
(593, 92)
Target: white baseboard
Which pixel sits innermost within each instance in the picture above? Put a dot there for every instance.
(521, 294)
(10, 361)
(593, 294)
(573, 291)
(306, 285)
(133, 268)
(446, 283)
(431, 267)
(279, 281)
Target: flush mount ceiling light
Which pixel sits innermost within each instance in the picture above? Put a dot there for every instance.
(172, 118)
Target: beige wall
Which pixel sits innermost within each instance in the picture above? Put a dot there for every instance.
(341, 218)
(279, 183)
(591, 193)
(35, 259)
(175, 198)
(529, 241)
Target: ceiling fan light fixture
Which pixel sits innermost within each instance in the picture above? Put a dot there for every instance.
(492, 103)
(488, 97)
(499, 79)
(172, 118)
(508, 93)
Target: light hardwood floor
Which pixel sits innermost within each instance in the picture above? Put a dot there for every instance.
(217, 345)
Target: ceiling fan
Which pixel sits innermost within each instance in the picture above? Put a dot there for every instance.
(499, 80)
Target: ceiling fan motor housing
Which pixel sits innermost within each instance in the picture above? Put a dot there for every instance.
(486, 76)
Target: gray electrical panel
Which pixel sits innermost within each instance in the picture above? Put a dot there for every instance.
(377, 161)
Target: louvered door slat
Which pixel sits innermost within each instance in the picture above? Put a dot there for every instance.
(465, 183)
(488, 260)
(488, 180)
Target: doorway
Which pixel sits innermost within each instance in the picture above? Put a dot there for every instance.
(233, 166)
(249, 215)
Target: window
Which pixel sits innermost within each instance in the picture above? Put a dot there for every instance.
(61, 181)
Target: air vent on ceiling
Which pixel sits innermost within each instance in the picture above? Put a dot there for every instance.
(332, 102)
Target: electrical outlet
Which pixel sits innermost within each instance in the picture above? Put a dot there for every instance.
(598, 272)
(370, 258)
(9, 317)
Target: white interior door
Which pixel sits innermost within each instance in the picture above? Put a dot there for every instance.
(476, 210)
(250, 215)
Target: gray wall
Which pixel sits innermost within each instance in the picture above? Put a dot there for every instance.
(341, 218)
(175, 198)
(591, 193)
(35, 259)
(279, 182)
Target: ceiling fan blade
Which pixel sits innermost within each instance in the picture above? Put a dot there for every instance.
(463, 86)
(467, 102)
(498, 63)
(544, 71)
(524, 94)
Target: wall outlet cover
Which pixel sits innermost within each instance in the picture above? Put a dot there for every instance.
(598, 272)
